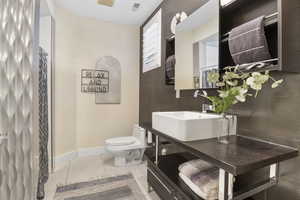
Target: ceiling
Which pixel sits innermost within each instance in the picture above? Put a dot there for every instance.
(121, 12)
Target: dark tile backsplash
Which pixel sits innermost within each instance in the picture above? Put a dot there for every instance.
(274, 115)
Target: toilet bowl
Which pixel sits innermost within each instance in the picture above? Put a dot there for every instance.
(127, 150)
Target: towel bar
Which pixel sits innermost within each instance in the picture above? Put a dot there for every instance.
(269, 20)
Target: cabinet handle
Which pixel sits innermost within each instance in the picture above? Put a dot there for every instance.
(169, 191)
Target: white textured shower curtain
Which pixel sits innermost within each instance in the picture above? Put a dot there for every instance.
(18, 97)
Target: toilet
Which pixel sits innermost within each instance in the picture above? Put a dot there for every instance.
(128, 150)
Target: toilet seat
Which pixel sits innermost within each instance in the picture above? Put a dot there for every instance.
(121, 141)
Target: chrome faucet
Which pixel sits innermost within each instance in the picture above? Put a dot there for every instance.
(207, 107)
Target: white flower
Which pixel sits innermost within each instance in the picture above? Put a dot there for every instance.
(251, 81)
(204, 93)
(232, 83)
(241, 97)
(213, 77)
(260, 78)
(230, 76)
(256, 74)
(256, 80)
(277, 83)
(220, 84)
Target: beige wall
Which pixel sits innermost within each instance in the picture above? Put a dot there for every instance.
(80, 42)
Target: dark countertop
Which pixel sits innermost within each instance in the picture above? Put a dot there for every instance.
(242, 155)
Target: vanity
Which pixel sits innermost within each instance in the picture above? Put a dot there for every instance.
(240, 156)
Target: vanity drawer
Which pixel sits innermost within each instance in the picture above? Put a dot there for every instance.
(159, 186)
(162, 187)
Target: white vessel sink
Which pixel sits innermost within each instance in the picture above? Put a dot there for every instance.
(189, 126)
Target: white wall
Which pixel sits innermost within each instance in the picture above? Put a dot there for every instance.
(80, 42)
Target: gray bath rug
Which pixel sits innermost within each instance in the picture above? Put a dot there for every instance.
(115, 188)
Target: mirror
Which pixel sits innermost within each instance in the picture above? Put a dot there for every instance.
(197, 48)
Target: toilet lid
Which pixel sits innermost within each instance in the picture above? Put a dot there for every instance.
(121, 141)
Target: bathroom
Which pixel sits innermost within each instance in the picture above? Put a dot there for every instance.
(107, 99)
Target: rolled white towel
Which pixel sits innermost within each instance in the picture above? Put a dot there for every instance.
(193, 167)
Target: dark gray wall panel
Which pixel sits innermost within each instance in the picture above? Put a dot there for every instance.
(274, 115)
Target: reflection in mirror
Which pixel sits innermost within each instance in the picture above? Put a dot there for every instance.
(197, 48)
(206, 56)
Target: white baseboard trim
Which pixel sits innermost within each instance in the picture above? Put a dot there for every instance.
(64, 158)
(91, 151)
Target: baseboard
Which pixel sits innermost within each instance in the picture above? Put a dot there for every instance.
(64, 158)
(91, 151)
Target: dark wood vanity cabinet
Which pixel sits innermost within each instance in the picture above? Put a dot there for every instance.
(160, 186)
(163, 177)
(241, 156)
(282, 28)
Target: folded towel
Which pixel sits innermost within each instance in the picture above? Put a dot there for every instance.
(207, 189)
(207, 180)
(202, 177)
(193, 167)
(248, 43)
(170, 67)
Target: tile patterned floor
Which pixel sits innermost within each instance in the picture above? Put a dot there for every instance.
(91, 168)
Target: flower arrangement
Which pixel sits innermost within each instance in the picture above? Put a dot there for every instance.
(236, 86)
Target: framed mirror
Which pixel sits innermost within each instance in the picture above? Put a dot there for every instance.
(197, 48)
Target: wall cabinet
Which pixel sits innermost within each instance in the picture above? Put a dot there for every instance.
(282, 29)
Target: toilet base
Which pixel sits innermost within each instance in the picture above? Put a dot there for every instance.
(128, 157)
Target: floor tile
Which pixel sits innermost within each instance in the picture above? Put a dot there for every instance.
(59, 177)
(95, 167)
(85, 169)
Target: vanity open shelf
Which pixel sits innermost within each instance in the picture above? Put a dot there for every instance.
(241, 156)
(174, 187)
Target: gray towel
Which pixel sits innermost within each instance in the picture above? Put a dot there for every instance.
(170, 67)
(248, 44)
(201, 177)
